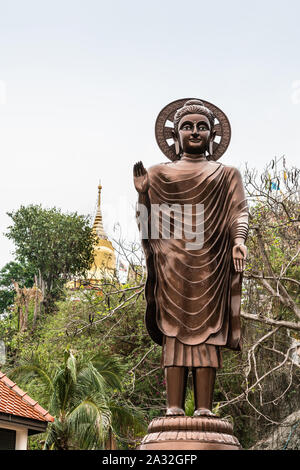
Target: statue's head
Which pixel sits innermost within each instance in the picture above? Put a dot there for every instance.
(194, 129)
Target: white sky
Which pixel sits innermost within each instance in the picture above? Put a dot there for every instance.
(81, 80)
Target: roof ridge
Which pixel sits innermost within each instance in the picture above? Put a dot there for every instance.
(25, 397)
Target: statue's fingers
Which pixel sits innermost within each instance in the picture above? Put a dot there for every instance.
(140, 169)
(240, 265)
(135, 169)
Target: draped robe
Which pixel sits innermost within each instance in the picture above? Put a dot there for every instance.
(194, 295)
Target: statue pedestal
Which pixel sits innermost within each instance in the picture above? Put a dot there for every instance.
(190, 433)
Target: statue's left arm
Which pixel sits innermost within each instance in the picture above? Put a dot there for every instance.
(239, 224)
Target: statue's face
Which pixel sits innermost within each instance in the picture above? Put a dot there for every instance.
(194, 133)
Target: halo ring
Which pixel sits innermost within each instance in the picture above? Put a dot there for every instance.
(163, 132)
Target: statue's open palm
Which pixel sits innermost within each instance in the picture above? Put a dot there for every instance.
(141, 178)
(239, 255)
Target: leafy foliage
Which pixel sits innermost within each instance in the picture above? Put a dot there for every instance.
(55, 245)
(13, 271)
(79, 396)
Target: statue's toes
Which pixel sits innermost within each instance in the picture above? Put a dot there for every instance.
(174, 411)
(203, 412)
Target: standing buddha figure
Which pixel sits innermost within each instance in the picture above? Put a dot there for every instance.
(193, 294)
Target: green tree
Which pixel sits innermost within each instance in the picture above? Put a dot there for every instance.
(79, 394)
(56, 245)
(13, 271)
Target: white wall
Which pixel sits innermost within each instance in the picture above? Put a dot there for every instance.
(21, 435)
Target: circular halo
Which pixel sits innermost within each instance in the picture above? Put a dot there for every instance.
(164, 127)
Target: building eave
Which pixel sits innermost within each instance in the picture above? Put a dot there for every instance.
(34, 426)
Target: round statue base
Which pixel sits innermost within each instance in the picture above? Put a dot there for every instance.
(190, 433)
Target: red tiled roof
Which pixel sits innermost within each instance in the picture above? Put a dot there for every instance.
(16, 402)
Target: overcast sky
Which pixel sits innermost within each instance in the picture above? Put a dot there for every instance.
(82, 82)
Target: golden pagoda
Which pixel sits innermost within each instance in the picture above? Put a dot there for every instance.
(104, 263)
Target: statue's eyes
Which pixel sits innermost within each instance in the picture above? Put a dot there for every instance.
(188, 127)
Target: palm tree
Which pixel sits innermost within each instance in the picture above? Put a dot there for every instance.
(80, 396)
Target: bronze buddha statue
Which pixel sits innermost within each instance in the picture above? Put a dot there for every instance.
(193, 295)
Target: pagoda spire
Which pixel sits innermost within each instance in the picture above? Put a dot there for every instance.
(98, 228)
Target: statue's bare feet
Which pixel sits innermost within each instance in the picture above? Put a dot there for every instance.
(174, 411)
(203, 412)
(141, 179)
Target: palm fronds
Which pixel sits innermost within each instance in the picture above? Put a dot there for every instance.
(80, 398)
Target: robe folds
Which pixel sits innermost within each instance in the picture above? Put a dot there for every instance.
(194, 295)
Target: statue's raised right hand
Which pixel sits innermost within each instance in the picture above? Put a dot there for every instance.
(141, 178)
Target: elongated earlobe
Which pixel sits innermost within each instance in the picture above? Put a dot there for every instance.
(210, 148)
(177, 145)
(211, 144)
